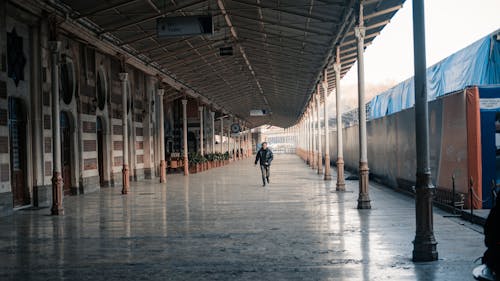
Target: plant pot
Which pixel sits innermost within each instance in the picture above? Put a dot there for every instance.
(192, 168)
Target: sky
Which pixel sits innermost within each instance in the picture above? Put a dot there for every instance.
(450, 26)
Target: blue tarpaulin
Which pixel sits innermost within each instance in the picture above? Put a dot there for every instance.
(477, 64)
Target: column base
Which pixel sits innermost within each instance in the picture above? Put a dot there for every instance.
(320, 165)
(340, 175)
(163, 171)
(57, 195)
(328, 175)
(424, 245)
(425, 248)
(364, 198)
(186, 166)
(125, 179)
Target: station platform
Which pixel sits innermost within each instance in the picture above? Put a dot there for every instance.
(223, 225)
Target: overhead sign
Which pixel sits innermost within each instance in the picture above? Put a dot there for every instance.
(184, 26)
(489, 104)
(226, 51)
(258, 112)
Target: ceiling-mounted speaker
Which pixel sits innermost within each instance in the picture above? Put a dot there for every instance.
(184, 26)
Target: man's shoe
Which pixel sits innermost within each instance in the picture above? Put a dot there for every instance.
(267, 179)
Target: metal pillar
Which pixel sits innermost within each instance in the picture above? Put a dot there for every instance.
(163, 166)
(424, 245)
(125, 169)
(200, 109)
(57, 181)
(185, 137)
(212, 118)
(328, 175)
(221, 135)
(364, 198)
(318, 123)
(340, 147)
(313, 132)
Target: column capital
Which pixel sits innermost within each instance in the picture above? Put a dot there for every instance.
(212, 113)
(184, 101)
(123, 76)
(161, 92)
(55, 46)
(359, 32)
(200, 108)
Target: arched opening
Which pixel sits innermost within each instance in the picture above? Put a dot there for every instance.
(18, 152)
(102, 89)
(67, 86)
(100, 150)
(66, 151)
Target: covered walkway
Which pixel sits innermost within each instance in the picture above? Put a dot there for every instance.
(222, 225)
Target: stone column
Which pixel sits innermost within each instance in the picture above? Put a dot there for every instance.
(340, 147)
(328, 175)
(57, 181)
(163, 166)
(212, 116)
(200, 109)
(125, 170)
(221, 135)
(424, 245)
(363, 198)
(318, 121)
(185, 137)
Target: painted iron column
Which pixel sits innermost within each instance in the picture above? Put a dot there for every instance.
(424, 245)
(125, 170)
(364, 198)
(318, 123)
(313, 132)
(328, 175)
(340, 147)
(212, 116)
(200, 109)
(185, 137)
(163, 166)
(221, 135)
(57, 181)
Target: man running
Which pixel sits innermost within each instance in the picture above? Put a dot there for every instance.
(264, 156)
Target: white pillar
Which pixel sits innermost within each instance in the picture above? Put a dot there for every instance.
(163, 166)
(184, 137)
(326, 117)
(57, 181)
(212, 116)
(340, 147)
(318, 123)
(125, 170)
(200, 109)
(221, 135)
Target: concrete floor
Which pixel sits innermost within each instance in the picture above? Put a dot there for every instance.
(222, 225)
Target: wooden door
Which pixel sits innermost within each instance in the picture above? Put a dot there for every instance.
(66, 152)
(18, 150)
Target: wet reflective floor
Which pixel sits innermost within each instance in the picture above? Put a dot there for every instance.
(223, 225)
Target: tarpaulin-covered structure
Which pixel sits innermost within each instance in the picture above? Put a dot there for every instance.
(477, 64)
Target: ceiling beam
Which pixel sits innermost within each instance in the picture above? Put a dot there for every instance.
(295, 13)
(282, 25)
(149, 18)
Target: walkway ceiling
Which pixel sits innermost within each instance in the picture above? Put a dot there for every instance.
(281, 47)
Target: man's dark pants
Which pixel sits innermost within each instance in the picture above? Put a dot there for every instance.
(265, 170)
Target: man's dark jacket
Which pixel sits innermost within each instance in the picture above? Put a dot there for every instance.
(264, 156)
